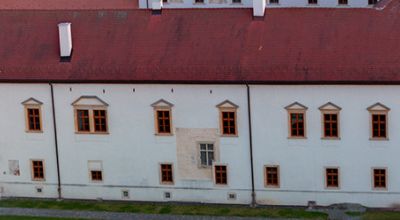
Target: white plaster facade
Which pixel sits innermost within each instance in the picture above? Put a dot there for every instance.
(131, 153)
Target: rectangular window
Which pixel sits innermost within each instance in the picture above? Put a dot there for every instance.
(37, 170)
(237, 1)
(199, 1)
(272, 176)
(274, 1)
(206, 154)
(228, 122)
(166, 173)
(165, 1)
(221, 174)
(96, 175)
(343, 2)
(379, 178)
(331, 125)
(332, 177)
(83, 120)
(297, 124)
(312, 2)
(33, 119)
(372, 2)
(378, 125)
(100, 120)
(163, 121)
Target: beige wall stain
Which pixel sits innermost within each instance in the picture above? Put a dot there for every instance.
(188, 152)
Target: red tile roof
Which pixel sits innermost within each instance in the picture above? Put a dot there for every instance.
(205, 46)
(68, 4)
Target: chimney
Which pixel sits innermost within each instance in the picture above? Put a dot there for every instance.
(258, 8)
(64, 31)
(156, 5)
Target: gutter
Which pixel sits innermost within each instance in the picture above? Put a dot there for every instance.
(56, 141)
(253, 193)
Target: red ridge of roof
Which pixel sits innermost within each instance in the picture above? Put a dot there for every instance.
(205, 45)
(68, 4)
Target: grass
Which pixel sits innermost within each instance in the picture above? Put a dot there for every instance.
(12, 217)
(354, 214)
(157, 208)
(381, 215)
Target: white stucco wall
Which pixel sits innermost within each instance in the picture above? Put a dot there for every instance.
(131, 153)
(302, 161)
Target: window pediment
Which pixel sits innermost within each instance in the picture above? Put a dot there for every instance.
(89, 101)
(296, 106)
(32, 101)
(378, 107)
(227, 104)
(162, 104)
(330, 107)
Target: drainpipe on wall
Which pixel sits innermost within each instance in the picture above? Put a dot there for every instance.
(56, 141)
(253, 193)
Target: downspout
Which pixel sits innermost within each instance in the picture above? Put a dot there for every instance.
(55, 141)
(253, 193)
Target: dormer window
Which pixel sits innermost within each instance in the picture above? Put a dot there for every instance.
(330, 120)
(228, 118)
(163, 117)
(297, 120)
(33, 119)
(90, 115)
(378, 121)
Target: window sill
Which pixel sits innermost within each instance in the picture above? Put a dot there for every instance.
(229, 135)
(274, 4)
(91, 133)
(39, 180)
(167, 183)
(220, 185)
(34, 132)
(380, 189)
(164, 134)
(297, 138)
(96, 181)
(331, 138)
(272, 186)
(313, 5)
(379, 139)
(332, 188)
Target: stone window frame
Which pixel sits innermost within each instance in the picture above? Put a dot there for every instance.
(90, 108)
(162, 105)
(228, 106)
(378, 109)
(326, 177)
(215, 175)
(330, 108)
(32, 103)
(162, 182)
(33, 170)
(90, 171)
(373, 178)
(266, 185)
(296, 108)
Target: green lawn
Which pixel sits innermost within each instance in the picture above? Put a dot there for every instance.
(11, 217)
(157, 208)
(381, 215)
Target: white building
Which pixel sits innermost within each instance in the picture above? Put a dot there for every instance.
(202, 105)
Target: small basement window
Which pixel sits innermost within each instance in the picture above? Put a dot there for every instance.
(95, 170)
